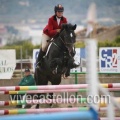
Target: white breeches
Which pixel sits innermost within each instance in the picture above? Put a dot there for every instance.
(44, 42)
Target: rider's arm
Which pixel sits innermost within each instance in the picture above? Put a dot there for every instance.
(51, 31)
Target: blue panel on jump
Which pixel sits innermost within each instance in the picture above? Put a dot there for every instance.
(83, 115)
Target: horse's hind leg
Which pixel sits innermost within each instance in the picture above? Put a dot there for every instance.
(56, 80)
(42, 81)
(40, 96)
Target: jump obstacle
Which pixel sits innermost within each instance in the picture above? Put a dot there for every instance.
(74, 115)
(102, 101)
(54, 91)
(55, 87)
(56, 116)
(29, 111)
(45, 110)
(50, 88)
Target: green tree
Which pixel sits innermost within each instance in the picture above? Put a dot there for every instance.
(25, 45)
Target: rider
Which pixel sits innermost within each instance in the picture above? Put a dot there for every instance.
(53, 27)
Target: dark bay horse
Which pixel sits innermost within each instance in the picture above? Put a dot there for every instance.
(58, 59)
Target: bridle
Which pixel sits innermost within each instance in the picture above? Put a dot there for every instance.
(65, 44)
(65, 37)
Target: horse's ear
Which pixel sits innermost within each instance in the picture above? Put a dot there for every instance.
(74, 27)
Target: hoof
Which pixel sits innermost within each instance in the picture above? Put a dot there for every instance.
(37, 106)
(64, 76)
(51, 105)
(18, 106)
(70, 106)
(75, 65)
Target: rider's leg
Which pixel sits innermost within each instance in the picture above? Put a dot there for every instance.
(43, 49)
(40, 56)
(44, 43)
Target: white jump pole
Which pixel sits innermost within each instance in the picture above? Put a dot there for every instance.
(91, 58)
(92, 77)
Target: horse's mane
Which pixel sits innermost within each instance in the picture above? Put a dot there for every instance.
(66, 26)
(62, 27)
(57, 35)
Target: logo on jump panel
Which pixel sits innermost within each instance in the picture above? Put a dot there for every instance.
(109, 58)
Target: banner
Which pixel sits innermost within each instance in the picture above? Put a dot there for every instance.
(35, 55)
(7, 63)
(109, 59)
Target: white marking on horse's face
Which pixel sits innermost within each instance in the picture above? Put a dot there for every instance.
(71, 34)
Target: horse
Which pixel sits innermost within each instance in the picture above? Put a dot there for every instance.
(58, 59)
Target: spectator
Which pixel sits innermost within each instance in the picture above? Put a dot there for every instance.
(27, 80)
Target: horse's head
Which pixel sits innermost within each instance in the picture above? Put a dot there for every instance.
(67, 35)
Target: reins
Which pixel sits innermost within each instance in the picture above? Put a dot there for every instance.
(59, 37)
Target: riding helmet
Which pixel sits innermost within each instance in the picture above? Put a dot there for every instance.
(59, 8)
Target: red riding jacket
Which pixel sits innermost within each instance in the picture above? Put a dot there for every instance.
(50, 29)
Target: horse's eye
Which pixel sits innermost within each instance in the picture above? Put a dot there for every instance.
(71, 34)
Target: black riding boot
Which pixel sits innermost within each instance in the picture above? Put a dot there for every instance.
(71, 63)
(40, 57)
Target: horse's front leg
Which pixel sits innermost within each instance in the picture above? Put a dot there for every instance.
(72, 64)
(55, 65)
(67, 73)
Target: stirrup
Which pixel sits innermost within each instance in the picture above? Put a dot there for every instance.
(38, 64)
